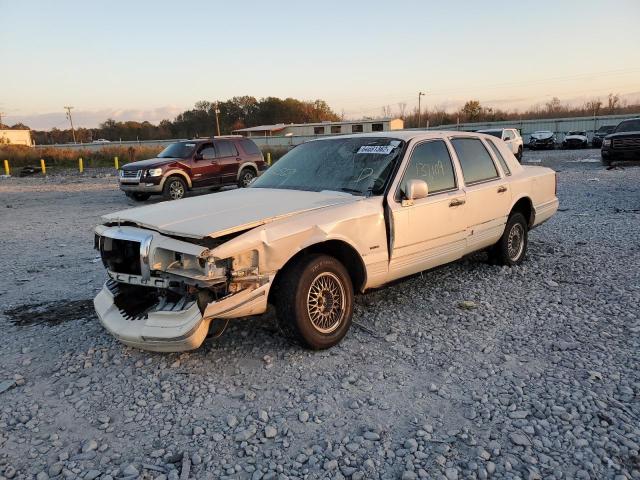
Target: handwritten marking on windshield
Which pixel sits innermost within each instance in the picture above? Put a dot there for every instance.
(284, 172)
(365, 173)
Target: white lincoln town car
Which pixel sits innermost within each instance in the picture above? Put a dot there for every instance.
(332, 216)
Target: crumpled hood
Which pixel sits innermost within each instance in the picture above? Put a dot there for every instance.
(541, 136)
(226, 212)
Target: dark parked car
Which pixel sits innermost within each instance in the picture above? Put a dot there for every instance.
(542, 140)
(576, 139)
(596, 141)
(191, 164)
(623, 143)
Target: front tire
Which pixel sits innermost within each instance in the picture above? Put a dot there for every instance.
(174, 188)
(246, 177)
(512, 246)
(519, 154)
(139, 197)
(314, 301)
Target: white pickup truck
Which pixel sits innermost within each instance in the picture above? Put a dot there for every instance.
(510, 136)
(333, 216)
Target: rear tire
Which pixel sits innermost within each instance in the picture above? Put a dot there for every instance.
(246, 177)
(512, 246)
(174, 188)
(314, 301)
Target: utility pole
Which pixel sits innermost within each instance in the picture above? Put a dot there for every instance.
(73, 132)
(217, 110)
(1, 113)
(420, 94)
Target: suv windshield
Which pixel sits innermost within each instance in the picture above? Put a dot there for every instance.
(606, 129)
(178, 150)
(355, 165)
(584, 134)
(628, 126)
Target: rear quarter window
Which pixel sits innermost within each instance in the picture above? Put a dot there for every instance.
(249, 147)
(499, 156)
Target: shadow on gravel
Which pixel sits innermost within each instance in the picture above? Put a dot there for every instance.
(50, 313)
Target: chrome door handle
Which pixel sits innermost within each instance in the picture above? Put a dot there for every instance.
(456, 202)
(502, 189)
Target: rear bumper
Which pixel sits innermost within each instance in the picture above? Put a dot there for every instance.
(545, 211)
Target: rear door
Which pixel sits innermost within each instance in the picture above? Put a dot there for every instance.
(205, 167)
(430, 231)
(487, 192)
(229, 159)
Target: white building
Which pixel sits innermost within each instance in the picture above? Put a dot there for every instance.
(16, 137)
(322, 128)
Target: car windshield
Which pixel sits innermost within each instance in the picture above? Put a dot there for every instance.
(178, 150)
(356, 165)
(606, 129)
(495, 133)
(577, 133)
(628, 126)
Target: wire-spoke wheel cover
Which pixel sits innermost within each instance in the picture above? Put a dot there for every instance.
(515, 242)
(246, 178)
(326, 302)
(176, 190)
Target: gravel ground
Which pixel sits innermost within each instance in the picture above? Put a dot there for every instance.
(468, 371)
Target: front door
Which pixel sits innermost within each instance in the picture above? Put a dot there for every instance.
(431, 231)
(205, 167)
(487, 193)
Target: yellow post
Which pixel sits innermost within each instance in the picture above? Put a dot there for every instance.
(80, 165)
(269, 158)
(115, 162)
(43, 166)
(7, 171)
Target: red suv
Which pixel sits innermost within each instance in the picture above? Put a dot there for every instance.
(191, 164)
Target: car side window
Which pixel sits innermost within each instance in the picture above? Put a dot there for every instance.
(477, 165)
(508, 135)
(226, 148)
(431, 162)
(499, 156)
(208, 152)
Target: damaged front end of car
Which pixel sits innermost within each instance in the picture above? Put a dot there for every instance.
(163, 292)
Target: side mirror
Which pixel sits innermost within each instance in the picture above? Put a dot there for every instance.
(415, 190)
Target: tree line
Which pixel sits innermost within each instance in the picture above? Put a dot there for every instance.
(200, 121)
(474, 111)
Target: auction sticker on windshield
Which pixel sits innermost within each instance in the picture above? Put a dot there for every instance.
(378, 149)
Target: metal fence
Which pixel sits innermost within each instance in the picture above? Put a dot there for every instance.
(559, 126)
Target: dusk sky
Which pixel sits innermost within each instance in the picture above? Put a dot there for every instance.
(149, 60)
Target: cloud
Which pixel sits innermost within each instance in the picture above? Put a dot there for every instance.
(92, 118)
